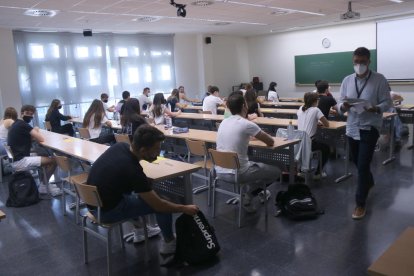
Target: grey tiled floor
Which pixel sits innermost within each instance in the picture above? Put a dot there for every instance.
(38, 240)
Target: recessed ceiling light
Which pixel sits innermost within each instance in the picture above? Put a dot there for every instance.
(146, 19)
(202, 3)
(279, 12)
(221, 23)
(47, 13)
(397, 1)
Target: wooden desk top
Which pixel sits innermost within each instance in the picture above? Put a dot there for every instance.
(81, 149)
(287, 111)
(284, 99)
(211, 137)
(2, 215)
(168, 168)
(405, 106)
(287, 104)
(90, 151)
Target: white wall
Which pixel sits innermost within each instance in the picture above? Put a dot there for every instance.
(271, 57)
(223, 63)
(9, 86)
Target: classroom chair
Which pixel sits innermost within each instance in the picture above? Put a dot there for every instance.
(84, 133)
(90, 195)
(198, 148)
(63, 163)
(122, 138)
(229, 160)
(47, 125)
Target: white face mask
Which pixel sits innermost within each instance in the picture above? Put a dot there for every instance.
(360, 69)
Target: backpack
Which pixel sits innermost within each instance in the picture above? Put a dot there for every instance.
(22, 190)
(297, 203)
(196, 240)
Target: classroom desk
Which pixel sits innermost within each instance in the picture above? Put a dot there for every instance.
(283, 104)
(211, 137)
(285, 99)
(2, 215)
(406, 114)
(165, 174)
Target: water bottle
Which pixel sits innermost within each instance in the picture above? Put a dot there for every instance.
(168, 122)
(290, 130)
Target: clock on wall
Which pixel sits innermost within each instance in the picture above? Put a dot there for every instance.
(326, 43)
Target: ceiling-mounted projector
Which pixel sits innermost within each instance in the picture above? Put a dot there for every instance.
(350, 14)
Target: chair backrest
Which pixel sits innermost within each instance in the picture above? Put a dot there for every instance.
(225, 159)
(48, 126)
(122, 138)
(63, 163)
(196, 147)
(88, 194)
(303, 150)
(205, 112)
(84, 133)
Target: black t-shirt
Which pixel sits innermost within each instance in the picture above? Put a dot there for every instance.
(116, 172)
(55, 117)
(325, 104)
(172, 102)
(19, 139)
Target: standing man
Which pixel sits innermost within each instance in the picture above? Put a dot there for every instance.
(104, 99)
(117, 173)
(363, 124)
(19, 138)
(211, 102)
(234, 135)
(144, 99)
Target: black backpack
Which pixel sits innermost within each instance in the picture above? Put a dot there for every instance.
(196, 240)
(297, 203)
(22, 190)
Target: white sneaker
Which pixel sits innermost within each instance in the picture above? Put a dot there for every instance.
(168, 247)
(138, 235)
(54, 190)
(262, 197)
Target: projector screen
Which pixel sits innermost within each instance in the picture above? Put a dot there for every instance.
(395, 49)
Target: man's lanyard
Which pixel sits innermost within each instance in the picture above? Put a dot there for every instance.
(359, 92)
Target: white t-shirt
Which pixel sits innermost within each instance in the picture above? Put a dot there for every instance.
(210, 104)
(234, 135)
(272, 96)
(308, 120)
(159, 120)
(143, 99)
(95, 132)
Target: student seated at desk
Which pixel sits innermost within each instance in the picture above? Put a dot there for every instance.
(173, 101)
(131, 118)
(20, 137)
(272, 95)
(309, 116)
(212, 101)
(183, 97)
(93, 121)
(9, 117)
(125, 97)
(158, 109)
(327, 104)
(253, 106)
(234, 135)
(54, 117)
(117, 173)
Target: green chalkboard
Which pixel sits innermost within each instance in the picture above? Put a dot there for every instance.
(332, 67)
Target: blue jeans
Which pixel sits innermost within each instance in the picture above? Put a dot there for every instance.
(132, 207)
(361, 152)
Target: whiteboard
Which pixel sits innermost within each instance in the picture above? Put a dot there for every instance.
(395, 49)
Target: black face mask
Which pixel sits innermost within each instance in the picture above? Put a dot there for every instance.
(105, 101)
(60, 107)
(27, 119)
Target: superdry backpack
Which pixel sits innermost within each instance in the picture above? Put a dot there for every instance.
(196, 240)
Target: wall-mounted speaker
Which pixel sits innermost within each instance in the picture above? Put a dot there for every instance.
(208, 40)
(87, 32)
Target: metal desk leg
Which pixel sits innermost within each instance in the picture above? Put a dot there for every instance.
(391, 156)
(347, 173)
(412, 143)
(291, 164)
(188, 189)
